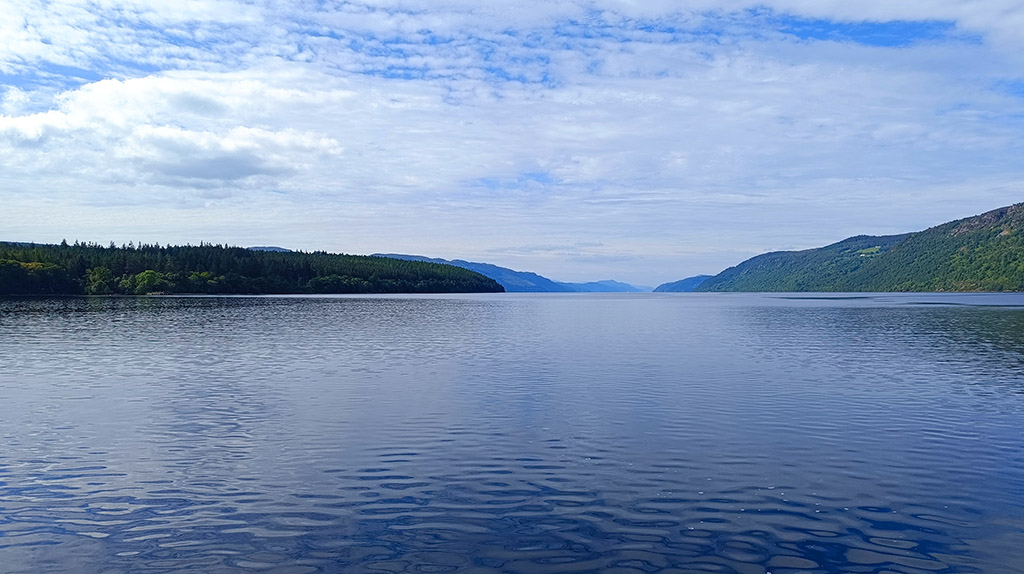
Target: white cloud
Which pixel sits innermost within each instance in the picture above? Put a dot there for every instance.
(181, 155)
(169, 130)
(13, 101)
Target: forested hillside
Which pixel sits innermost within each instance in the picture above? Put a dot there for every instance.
(827, 268)
(981, 253)
(27, 269)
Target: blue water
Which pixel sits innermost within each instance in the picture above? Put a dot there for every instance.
(513, 433)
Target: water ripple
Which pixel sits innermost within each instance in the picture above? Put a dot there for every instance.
(511, 434)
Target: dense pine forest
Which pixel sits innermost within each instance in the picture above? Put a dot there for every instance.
(91, 269)
(980, 253)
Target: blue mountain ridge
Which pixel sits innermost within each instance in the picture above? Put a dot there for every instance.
(524, 281)
(609, 286)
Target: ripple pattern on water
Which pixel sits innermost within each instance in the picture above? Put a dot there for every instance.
(511, 434)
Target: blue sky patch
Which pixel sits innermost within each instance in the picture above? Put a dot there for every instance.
(883, 34)
(1013, 88)
(523, 181)
(50, 76)
(69, 73)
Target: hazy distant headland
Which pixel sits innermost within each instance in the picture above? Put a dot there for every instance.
(90, 269)
(525, 281)
(683, 285)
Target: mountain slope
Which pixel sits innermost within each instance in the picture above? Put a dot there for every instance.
(980, 253)
(823, 269)
(513, 281)
(683, 285)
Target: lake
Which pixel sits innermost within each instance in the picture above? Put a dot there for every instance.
(636, 433)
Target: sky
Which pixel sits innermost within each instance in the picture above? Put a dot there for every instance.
(643, 141)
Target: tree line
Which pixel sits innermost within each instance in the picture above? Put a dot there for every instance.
(93, 269)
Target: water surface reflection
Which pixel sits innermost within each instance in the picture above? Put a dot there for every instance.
(511, 434)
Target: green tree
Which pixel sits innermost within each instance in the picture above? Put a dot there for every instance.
(150, 281)
(99, 281)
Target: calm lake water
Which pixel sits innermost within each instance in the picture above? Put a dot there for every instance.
(513, 433)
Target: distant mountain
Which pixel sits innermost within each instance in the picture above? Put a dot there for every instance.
(513, 281)
(980, 253)
(525, 281)
(683, 285)
(22, 243)
(270, 248)
(607, 286)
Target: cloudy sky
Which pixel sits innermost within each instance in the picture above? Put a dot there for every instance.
(644, 141)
